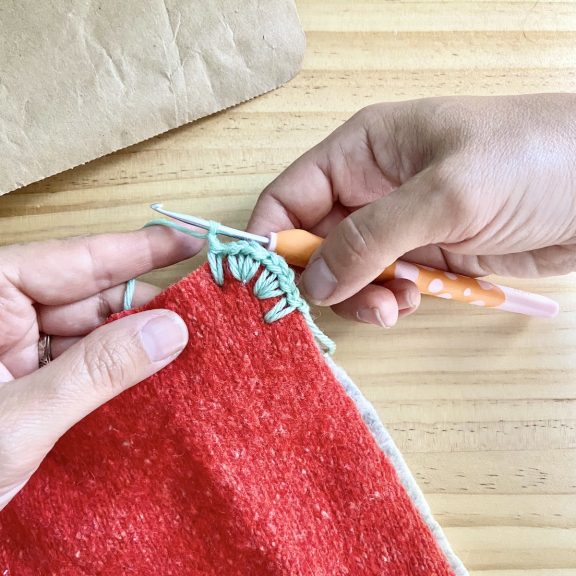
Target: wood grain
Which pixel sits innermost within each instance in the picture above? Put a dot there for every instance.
(482, 404)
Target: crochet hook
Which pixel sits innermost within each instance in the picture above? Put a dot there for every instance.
(297, 246)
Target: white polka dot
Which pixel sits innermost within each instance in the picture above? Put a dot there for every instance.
(435, 286)
(485, 285)
(446, 295)
(407, 271)
(467, 292)
(450, 275)
(479, 302)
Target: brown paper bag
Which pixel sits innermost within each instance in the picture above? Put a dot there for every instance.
(82, 78)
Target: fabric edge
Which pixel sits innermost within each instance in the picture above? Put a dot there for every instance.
(388, 446)
(145, 139)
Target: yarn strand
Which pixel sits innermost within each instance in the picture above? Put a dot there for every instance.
(244, 259)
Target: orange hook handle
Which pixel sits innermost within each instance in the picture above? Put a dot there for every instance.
(297, 247)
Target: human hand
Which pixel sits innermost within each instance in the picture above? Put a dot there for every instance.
(468, 185)
(68, 288)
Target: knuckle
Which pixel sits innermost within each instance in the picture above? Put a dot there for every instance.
(106, 366)
(446, 176)
(449, 123)
(357, 241)
(367, 113)
(446, 113)
(453, 198)
(365, 118)
(448, 182)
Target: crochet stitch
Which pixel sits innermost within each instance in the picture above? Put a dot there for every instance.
(245, 259)
(244, 456)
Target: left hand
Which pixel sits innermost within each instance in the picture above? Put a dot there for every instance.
(67, 289)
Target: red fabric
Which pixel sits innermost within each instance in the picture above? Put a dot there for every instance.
(243, 457)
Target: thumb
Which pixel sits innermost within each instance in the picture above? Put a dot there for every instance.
(41, 407)
(362, 245)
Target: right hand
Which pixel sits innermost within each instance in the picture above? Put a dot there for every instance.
(468, 185)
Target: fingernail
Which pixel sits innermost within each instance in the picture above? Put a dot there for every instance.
(408, 299)
(318, 281)
(372, 316)
(164, 336)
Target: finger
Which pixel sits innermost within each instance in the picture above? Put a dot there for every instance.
(22, 360)
(60, 344)
(442, 259)
(381, 305)
(300, 197)
(305, 193)
(550, 261)
(62, 271)
(330, 221)
(370, 239)
(432, 256)
(346, 168)
(40, 407)
(81, 317)
(75, 319)
(406, 293)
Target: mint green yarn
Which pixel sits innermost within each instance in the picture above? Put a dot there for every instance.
(245, 259)
(129, 294)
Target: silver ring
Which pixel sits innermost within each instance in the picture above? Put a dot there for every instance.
(44, 350)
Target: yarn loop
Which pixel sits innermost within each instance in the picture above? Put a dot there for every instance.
(245, 259)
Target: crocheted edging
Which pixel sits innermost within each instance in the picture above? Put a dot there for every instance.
(245, 259)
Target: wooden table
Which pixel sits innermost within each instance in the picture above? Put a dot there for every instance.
(482, 404)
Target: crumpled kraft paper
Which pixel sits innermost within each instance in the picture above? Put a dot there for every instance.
(82, 78)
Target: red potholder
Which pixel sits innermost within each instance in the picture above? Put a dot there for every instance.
(243, 457)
